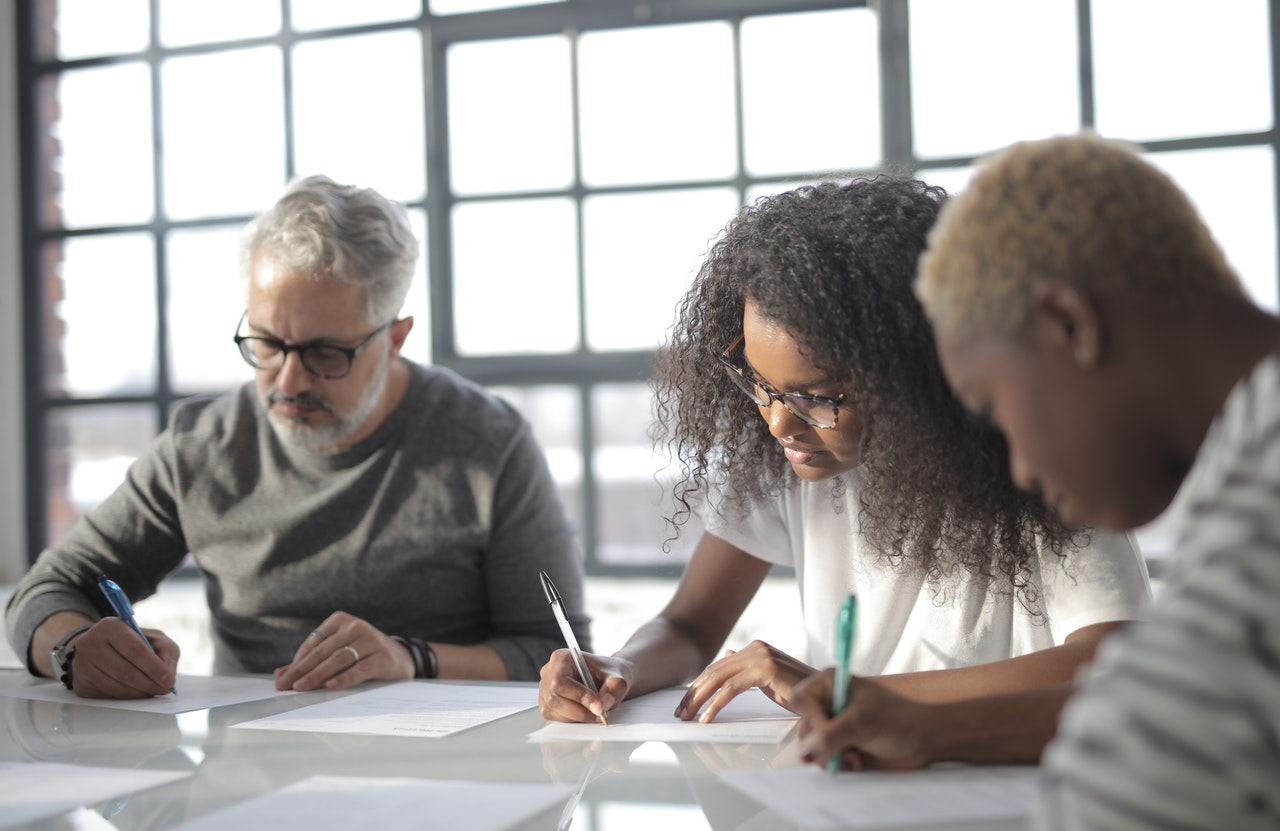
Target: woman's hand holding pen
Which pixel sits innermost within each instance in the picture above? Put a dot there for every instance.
(757, 665)
(111, 661)
(344, 651)
(878, 728)
(562, 695)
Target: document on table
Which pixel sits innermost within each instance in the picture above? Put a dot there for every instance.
(390, 804)
(31, 791)
(407, 708)
(195, 692)
(749, 718)
(817, 800)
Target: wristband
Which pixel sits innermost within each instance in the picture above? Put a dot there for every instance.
(430, 661)
(425, 662)
(419, 663)
(61, 656)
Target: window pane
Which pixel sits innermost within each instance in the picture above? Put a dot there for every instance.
(103, 146)
(790, 64)
(1169, 68)
(515, 271)
(463, 6)
(183, 22)
(631, 503)
(986, 73)
(510, 131)
(378, 139)
(657, 104)
(206, 298)
(952, 179)
(84, 28)
(223, 132)
(417, 304)
(641, 253)
(1243, 219)
(556, 416)
(327, 14)
(107, 316)
(770, 188)
(87, 451)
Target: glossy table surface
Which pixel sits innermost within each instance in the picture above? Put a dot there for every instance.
(652, 785)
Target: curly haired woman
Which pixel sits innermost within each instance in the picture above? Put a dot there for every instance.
(849, 459)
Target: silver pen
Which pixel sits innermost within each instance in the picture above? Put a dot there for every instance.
(557, 608)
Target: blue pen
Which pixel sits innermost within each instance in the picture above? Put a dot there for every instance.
(124, 609)
(846, 626)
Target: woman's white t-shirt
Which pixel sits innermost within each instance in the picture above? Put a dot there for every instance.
(905, 624)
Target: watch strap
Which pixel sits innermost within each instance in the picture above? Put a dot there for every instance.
(63, 652)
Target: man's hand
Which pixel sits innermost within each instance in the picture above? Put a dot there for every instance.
(563, 697)
(758, 665)
(342, 652)
(111, 661)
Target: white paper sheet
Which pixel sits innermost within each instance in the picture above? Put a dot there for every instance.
(195, 692)
(388, 805)
(408, 708)
(749, 718)
(35, 790)
(817, 800)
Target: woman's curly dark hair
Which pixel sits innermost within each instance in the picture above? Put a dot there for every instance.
(834, 264)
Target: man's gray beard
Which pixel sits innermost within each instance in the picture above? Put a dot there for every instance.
(326, 438)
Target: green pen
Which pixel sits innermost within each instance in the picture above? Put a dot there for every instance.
(846, 625)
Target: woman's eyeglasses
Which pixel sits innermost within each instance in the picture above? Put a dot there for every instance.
(817, 410)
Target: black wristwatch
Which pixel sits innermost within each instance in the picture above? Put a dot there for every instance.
(63, 652)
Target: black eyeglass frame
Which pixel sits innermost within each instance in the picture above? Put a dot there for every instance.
(749, 385)
(350, 352)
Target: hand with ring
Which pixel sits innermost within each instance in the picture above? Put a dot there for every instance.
(341, 652)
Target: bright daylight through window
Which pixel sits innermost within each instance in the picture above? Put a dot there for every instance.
(565, 175)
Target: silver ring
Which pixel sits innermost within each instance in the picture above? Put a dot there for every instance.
(355, 655)
(318, 635)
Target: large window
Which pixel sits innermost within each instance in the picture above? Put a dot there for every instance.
(566, 165)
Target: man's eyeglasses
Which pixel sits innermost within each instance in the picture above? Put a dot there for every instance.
(324, 359)
(817, 410)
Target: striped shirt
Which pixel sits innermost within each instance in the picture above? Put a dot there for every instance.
(1178, 725)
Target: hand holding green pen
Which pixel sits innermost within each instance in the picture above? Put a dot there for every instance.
(846, 626)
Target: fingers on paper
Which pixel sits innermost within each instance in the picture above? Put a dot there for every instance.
(561, 693)
(334, 626)
(612, 690)
(113, 662)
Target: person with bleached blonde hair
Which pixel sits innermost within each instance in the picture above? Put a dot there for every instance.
(1081, 305)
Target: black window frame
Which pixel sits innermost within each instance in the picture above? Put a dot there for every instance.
(582, 370)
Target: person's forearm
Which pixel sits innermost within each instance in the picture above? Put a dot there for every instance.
(480, 662)
(1003, 729)
(662, 655)
(1048, 667)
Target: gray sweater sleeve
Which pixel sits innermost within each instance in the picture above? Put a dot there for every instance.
(530, 534)
(134, 536)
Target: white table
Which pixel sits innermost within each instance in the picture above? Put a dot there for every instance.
(650, 786)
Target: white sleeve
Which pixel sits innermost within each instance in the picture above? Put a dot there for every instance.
(1103, 581)
(762, 530)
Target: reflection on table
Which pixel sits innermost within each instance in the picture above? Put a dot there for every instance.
(617, 785)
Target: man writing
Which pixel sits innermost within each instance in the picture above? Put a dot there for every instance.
(355, 516)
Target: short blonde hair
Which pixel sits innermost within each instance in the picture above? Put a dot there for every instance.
(1077, 208)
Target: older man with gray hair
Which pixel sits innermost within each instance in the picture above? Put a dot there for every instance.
(355, 516)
